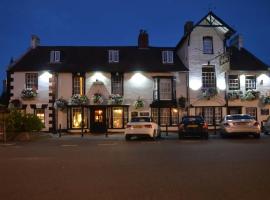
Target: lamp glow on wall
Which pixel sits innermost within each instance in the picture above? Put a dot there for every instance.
(98, 76)
(195, 83)
(263, 79)
(44, 79)
(221, 83)
(138, 79)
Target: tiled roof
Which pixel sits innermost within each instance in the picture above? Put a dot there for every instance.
(242, 59)
(89, 58)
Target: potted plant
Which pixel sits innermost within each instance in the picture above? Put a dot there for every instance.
(234, 95)
(77, 99)
(250, 95)
(182, 102)
(60, 104)
(116, 99)
(28, 94)
(139, 103)
(265, 99)
(208, 93)
(97, 98)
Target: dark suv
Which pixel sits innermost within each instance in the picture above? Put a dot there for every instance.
(193, 126)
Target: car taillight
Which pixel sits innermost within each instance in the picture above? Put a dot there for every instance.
(205, 125)
(148, 126)
(256, 124)
(129, 126)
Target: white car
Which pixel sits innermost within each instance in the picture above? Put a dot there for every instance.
(142, 126)
(240, 124)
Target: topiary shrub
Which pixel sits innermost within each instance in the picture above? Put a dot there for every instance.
(32, 123)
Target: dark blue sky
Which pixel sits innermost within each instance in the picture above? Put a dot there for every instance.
(117, 22)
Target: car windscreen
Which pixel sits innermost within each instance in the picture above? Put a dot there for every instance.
(238, 117)
(195, 119)
(141, 119)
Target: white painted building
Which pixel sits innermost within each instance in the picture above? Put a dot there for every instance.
(217, 70)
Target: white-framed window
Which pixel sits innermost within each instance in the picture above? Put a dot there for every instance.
(117, 83)
(208, 77)
(55, 56)
(233, 82)
(31, 81)
(165, 89)
(251, 82)
(78, 85)
(113, 56)
(167, 57)
(208, 45)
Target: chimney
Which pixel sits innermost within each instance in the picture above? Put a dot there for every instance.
(35, 41)
(237, 41)
(143, 41)
(188, 27)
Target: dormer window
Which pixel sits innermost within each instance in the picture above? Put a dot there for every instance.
(55, 57)
(167, 57)
(113, 56)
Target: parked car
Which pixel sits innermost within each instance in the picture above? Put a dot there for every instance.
(193, 126)
(240, 124)
(142, 126)
(266, 126)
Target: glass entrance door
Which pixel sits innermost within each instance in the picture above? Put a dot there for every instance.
(98, 120)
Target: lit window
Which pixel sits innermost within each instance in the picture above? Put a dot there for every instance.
(117, 83)
(31, 81)
(167, 57)
(250, 82)
(208, 77)
(77, 118)
(118, 117)
(164, 88)
(40, 113)
(234, 82)
(164, 116)
(175, 119)
(78, 85)
(208, 45)
(55, 57)
(113, 56)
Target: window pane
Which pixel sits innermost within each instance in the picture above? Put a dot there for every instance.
(234, 82)
(40, 113)
(174, 116)
(208, 115)
(155, 115)
(78, 85)
(208, 45)
(118, 117)
(165, 89)
(252, 111)
(31, 81)
(164, 116)
(208, 77)
(77, 118)
(117, 83)
(218, 115)
(250, 82)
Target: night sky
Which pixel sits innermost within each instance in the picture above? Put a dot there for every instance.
(117, 22)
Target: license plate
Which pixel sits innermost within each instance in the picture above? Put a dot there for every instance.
(192, 126)
(137, 126)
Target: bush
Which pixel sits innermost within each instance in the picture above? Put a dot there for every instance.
(18, 122)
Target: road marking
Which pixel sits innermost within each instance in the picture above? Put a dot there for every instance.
(107, 144)
(69, 145)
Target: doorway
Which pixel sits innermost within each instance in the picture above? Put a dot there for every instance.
(98, 120)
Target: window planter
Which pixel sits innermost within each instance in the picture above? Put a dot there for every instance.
(60, 104)
(234, 95)
(250, 95)
(28, 94)
(77, 100)
(115, 99)
(97, 98)
(208, 93)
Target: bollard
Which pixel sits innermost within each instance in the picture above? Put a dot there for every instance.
(167, 130)
(59, 131)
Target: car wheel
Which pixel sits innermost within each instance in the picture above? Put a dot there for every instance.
(154, 135)
(257, 136)
(127, 137)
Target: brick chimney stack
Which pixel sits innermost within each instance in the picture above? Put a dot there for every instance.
(35, 41)
(143, 40)
(188, 27)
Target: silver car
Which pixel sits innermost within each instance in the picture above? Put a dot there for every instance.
(240, 124)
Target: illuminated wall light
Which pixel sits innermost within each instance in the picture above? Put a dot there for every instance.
(45, 76)
(195, 83)
(138, 79)
(221, 83)
(175, 110)
(98, 76)
(263, 79)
